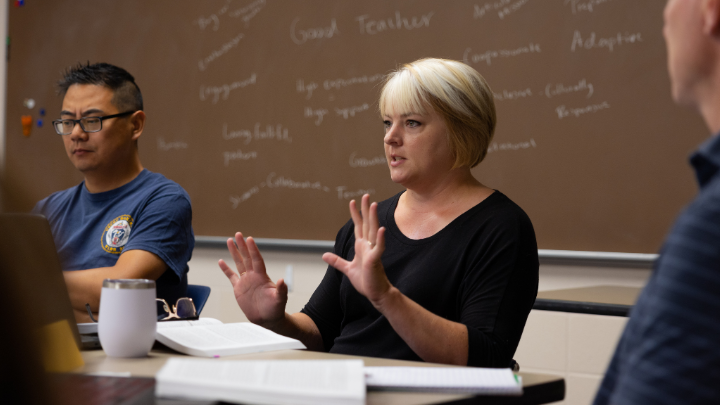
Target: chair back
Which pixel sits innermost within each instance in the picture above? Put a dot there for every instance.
(199, 295)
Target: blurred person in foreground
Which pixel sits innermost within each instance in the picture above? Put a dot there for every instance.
(669, 352)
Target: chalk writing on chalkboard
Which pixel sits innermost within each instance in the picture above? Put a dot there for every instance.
(300, 36)
(610, 43)
(215, 92)
(397, 22)
(559, 88)
(584, 5)
(511, 146)
(166, 146)
(502, 7)
(365, 162)
(564, 112)
(276, 132)
(487, 56)
(202, 64)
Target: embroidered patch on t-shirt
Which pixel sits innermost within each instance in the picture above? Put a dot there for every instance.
(116, 234)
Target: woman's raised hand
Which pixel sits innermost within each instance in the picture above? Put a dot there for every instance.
(365, 271)
(262, 301)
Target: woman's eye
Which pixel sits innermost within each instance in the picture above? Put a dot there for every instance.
(387, 124)
(412, 123)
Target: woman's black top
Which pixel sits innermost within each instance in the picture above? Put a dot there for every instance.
(481, 270)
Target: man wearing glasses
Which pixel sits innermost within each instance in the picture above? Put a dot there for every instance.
(122, 221)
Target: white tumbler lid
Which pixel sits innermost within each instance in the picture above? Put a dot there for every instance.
(129, 284)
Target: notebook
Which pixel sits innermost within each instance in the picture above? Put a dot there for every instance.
(466, 380)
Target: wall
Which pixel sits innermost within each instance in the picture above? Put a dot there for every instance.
(577, 347)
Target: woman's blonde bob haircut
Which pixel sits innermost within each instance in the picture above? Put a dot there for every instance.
(457, 92)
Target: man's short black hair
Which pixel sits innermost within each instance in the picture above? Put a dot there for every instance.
(126, 94)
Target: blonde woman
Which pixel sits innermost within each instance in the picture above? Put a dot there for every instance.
(445, 271)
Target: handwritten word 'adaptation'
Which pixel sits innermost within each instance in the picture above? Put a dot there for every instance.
(301, 36)
(271, 132)
(488, 56)
(564, 112)
(503, 8)
(372, 27)
(202, 64)
(584, 5)
(610, 42)
(215, 92)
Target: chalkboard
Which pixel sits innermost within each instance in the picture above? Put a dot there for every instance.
(266, 111)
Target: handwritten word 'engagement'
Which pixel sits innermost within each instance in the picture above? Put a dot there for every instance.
(372, 27)
(363, 162)
(488, 56)
(202, 64)
(216, 91)
(503, 8)
(276, 132)
(509, 146)
(560, 89)
(584, 5)
(610, 42)
(301, 36)
(564, 112)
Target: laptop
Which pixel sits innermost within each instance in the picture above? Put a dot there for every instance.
(30, 262)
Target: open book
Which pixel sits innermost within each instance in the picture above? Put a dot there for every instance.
(209, 337)
(263, 382)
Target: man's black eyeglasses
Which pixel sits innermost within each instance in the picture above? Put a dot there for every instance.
(88, 124)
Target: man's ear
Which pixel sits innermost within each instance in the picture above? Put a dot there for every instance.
(138, 124)
(711, 17)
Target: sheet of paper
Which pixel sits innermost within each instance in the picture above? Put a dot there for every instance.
(444, 379)
(181, 324)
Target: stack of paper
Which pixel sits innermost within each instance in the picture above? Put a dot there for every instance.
(264, 382)
(491, 381)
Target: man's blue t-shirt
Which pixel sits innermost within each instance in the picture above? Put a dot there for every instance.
(150, 213)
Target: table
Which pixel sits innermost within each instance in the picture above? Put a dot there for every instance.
(538, 388)
(599, 300)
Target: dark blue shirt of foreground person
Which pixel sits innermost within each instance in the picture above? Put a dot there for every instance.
(670, 350)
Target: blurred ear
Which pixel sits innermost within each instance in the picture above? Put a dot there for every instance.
(711, 17)
(137, 121)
